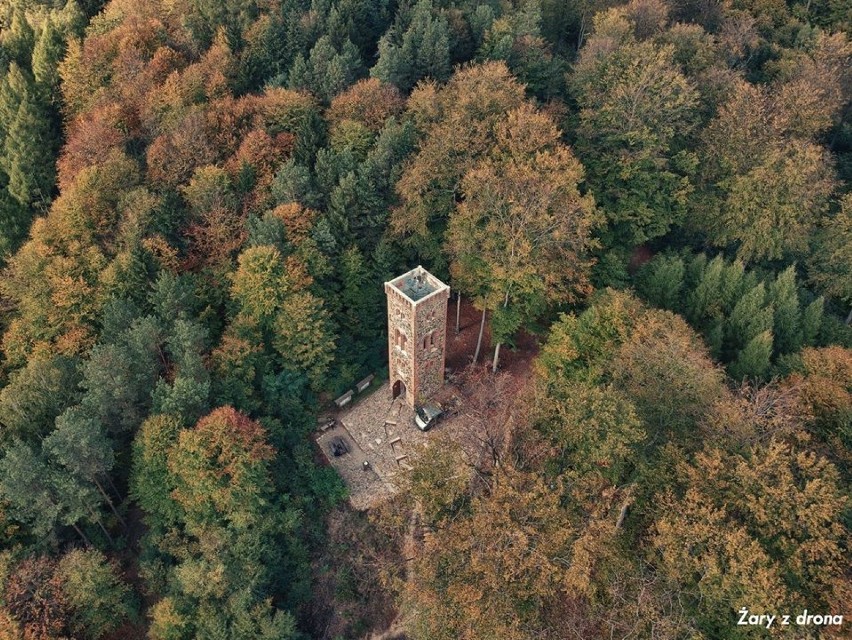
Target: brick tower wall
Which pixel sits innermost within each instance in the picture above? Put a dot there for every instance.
(400, 339)
(430, 320)
(417, 338)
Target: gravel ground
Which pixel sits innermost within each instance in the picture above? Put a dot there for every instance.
(382, 432)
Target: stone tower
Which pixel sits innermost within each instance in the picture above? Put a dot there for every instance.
(417, 331)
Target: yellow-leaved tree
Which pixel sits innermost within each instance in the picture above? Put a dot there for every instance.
(521, 235)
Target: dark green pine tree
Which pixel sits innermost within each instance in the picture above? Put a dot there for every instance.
(293, 183)
(151, 482)
(362, 306)
(13, 86)
(516, 39)
(787, 324)
(80, 445)
(18, 40)
(704, 301)
(327, 71)
(36, 395)
(661, 282)
(422, 50)
(751, 317)
(754, 359)
(47, 55)
(364, 22)
(45, 498)
(120, 376)
(812, 318)
(13, 219)
(188, 395)
(25, 488)
(30, 143)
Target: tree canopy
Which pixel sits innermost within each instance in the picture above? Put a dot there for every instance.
(644, 203)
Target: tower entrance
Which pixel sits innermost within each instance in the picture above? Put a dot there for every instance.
(398, 389)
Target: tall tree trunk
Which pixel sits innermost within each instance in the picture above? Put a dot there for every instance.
(849, 317)
(497, 348)
(114, 488)
(496, 358)
(110, 503)
(479, 340)
(622, 514)
(458, 310)
(106, 533)
(101, 525)
(82, 535)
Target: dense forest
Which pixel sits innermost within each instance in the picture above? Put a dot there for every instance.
(200, 201)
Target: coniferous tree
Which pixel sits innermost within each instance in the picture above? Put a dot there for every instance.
(362, 305)
(327, 71)
(416, 51)
(516, 39)
(812, 319)
(787, 321)
(830, 266)
(80, 445)
(751, 316)
(151, 482)
(46, 498)
(274, 301)
(36, 395)
(30, 139)
(752, 360)
(188, 394)
(119, 377)
(661, 283)
(19, 38)
(47, 54)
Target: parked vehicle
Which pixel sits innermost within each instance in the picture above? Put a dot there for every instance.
(426, 416)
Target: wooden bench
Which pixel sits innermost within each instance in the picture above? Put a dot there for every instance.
(363, 384)
(345, 399)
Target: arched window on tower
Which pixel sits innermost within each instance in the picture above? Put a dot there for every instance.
(400, 339)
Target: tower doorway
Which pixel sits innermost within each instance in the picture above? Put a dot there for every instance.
(398, 389)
